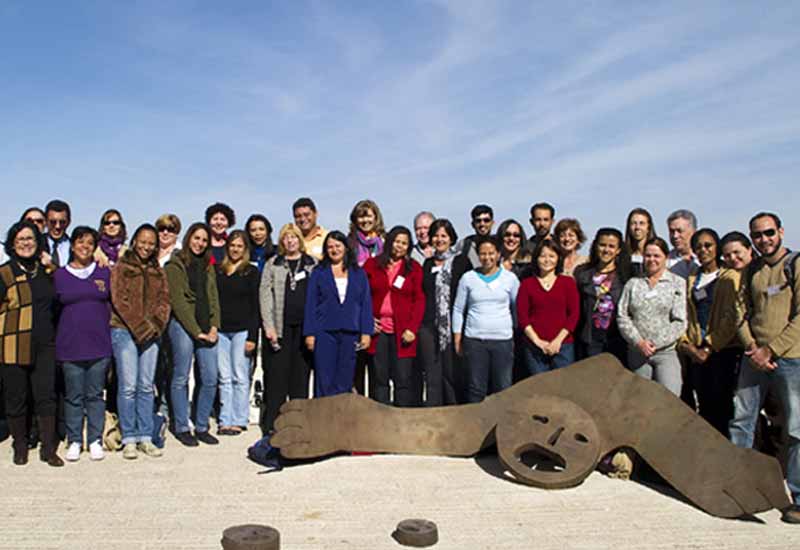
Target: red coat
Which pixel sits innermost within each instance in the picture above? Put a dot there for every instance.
(408, 303)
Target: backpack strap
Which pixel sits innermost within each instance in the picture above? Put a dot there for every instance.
(790, 268)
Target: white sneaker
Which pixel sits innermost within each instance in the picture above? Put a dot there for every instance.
(73, 452)
(96, 451)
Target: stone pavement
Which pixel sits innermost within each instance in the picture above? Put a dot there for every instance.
(185, 500)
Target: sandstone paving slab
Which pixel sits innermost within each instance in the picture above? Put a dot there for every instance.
(187, 498)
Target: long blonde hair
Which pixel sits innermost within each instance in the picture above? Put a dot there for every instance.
(244, 263)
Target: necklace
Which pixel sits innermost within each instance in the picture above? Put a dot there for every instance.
(547, 284)
(31, 273)
(293, 275)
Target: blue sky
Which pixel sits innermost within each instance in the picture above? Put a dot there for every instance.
(596, 107)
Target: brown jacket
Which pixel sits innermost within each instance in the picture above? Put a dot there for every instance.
(140, 298)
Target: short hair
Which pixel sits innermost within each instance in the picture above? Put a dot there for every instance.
(544, 206)
(651, 228)
(57, 205)
(386, 254)
(80, 232)
(574, 225)
(424, 213)
(32, 209)
(623, 261)
(540, 246)
(447, 225)
(487, 239)
(123, 233)
(185, 253)
(711, 233)
(12, 234)
(294, 230)
(349, 255)
(660, 243)
(130, 253)
(480, 209)
(244, 265)
(221, 208)
(735, 237)
(304, 202)
(683, 214)
(772, 215)
(359, 209)
(165, 220)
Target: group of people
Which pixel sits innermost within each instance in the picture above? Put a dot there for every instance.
(433, 319)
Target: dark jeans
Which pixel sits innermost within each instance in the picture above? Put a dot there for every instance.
(85, 381)
(601, 343)
(442, 387)
(40, 378)
(286, 373)
(386, 365)
(489, 366)
(716, 386)
(539, 362)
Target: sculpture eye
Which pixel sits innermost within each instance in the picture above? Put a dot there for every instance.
(580, 438)
(540, 418)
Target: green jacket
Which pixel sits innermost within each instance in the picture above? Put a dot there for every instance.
(183, 299)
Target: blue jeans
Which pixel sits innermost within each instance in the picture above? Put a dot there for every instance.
(234, 379)
(136, 371)
(84, 382)
(184, 347)
(489, 366)
(539, 362)
(751, 389)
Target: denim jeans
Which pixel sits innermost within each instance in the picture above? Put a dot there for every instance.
(751, 389)
(84, 382)
(136, 371)
(489, 366)
(184, 347)
(234, 379)
(663, 367)
(539, 362)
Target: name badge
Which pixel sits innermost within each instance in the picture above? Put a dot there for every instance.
(436, 269)
(300, 276)
(494, 285)
(773, 290)
(398, 281)
(700, 294)
(651, 293)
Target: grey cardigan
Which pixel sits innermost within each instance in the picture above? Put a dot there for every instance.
(272, 292)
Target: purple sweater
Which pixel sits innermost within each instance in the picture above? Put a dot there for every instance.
(83, 331)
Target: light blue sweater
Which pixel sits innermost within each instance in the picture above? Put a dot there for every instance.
(489, 308)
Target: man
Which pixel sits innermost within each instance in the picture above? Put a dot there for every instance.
(681, 260)
(482, 222)
(58, 215)
(542, 217)
(770, 333)
(423, 249)
(305, 218)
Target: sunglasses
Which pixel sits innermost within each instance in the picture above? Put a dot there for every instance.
(510, 234)
(771, 232)
(112, 222)
(58, 223)
(482, 219)
(167, 228)
(37, 221)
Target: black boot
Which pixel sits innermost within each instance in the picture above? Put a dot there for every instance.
(17, 427)
(47, 430)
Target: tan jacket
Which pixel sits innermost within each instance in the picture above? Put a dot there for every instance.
(724, 319)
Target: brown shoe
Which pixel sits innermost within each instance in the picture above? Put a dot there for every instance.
(791, 514)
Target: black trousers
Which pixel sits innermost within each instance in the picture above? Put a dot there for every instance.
(39, 378)
(286, 373)
(385, 365)
(716, 384)
(443, 386)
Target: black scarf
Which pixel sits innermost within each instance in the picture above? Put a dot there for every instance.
(198, 277)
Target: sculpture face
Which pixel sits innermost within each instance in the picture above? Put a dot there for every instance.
(548, 442)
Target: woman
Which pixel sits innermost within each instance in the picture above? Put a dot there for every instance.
(570, 237)
(112, 238)
(484, 312)
(395, 282)
(282, 295)
(36, 216)
(27, 356)
(515, 256)
(652, 317)
(237, 282)
(219, 218)
(639, 229)
(710, 342)
(548, 309)
(140, 298)
(259, 240)
(338, 316)
(193, 331)
(440, 277)
(83, 342)
(600, 283)
(168, 227)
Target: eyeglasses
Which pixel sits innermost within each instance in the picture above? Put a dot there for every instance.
(510, 234)
(167, 228)
(58, 223)
(771, 232)
(482, 219)
(20, 240)
(112, 222)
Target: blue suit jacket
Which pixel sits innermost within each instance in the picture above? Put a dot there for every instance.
(324, 312)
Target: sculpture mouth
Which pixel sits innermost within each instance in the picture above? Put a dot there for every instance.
(540, 459)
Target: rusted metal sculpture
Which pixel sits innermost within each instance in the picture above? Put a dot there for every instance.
(551, 430)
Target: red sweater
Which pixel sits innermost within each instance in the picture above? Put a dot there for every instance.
(549, 311)
(408, 303)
